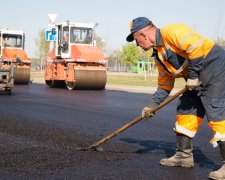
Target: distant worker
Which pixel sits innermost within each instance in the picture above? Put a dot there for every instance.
(65, 43)
(65, 39)
(5, 42)
(88, 38)
(181, 52)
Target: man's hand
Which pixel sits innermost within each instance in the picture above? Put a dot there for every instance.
(193, 83)
(146, 114)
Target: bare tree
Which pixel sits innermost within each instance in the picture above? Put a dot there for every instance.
(42, 45)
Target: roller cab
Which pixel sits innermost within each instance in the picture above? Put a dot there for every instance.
(75, 62)
(12, 52)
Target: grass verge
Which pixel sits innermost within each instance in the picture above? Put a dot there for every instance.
(126, 79)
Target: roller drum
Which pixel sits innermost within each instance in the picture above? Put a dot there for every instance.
(90, 79)
(21, 76)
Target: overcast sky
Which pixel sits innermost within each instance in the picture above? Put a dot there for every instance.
(113, 16)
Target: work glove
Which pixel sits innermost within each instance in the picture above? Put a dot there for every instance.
(193, 83)
(145, 114)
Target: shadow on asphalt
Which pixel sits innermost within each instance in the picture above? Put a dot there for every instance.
(169, 150)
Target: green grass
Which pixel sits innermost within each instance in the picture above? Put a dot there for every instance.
(138, 80)
(127, 79)
(131, 80)
(37, 75)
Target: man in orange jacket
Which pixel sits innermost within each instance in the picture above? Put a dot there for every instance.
(180, 52)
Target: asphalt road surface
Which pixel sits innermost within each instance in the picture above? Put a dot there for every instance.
(41, 128)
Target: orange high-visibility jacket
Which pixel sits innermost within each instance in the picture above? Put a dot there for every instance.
(179, 52)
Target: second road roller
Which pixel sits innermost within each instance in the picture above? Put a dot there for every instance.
(12, 51)
(75, 61)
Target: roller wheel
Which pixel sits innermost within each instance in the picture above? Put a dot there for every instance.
(70, 85)
(50, 83)
(55, 83)
(9, 91)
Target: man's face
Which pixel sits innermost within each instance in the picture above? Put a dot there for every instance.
(144, 40)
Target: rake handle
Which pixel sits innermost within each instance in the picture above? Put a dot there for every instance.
(153, 109)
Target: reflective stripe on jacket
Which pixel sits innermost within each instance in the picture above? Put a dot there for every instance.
(179, 52)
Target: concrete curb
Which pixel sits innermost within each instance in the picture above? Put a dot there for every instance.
(137, 89)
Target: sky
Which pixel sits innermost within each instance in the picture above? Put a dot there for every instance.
(207, 17)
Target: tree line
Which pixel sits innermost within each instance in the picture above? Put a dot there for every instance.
(127, 56)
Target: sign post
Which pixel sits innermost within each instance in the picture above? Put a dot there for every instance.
(50, 35)
(52, 17)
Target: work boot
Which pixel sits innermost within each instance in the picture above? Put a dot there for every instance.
(183, 156)
(219, 174)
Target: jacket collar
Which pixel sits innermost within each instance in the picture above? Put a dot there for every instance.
(158, 38)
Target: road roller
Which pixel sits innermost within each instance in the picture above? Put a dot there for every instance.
(12, 43)
(75, 62)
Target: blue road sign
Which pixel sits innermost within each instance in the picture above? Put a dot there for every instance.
(49, 36)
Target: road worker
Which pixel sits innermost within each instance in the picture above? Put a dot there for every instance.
(65, 42)
(181, 52)
(5, 42)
